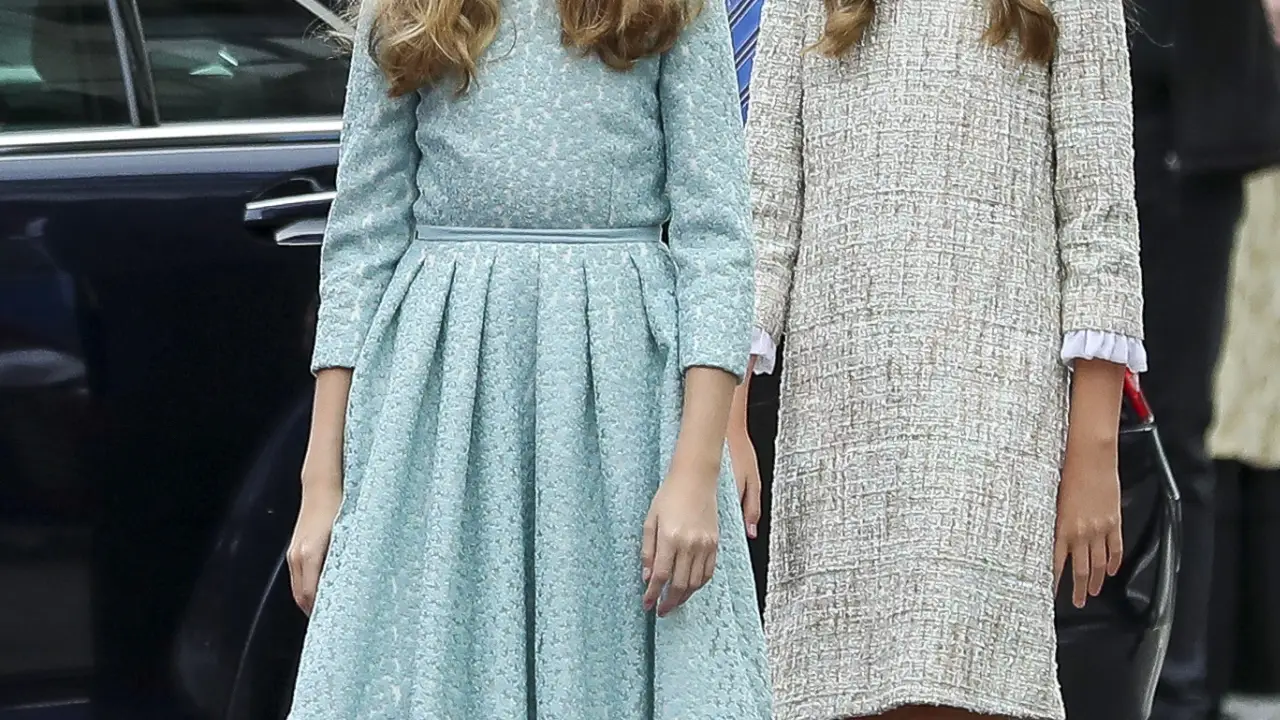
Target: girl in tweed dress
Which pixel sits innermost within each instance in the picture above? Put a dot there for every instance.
(943, 196)
(514, 487)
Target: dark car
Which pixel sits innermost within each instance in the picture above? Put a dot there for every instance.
(165, 170)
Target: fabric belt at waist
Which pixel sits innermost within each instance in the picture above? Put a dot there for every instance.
(440, 233)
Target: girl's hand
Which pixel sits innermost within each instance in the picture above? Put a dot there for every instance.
(321, 496)
(682, 531)
(746, 473)
(1088, 528)
(1089, 520)
(681, 537)
(1272, 8)
(321, 485)
(742, 456)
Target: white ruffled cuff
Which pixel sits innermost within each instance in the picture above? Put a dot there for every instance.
(1109, 346)
(764, 350)
(1077, 344)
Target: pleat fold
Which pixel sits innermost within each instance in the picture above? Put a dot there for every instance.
(513, 413)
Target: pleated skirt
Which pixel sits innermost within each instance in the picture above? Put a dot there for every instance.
(512, 413)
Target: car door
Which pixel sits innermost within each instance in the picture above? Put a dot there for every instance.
(160, 162)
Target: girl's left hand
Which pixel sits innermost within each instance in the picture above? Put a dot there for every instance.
(746, 474)
(742, 454)
(1088, 527)
(681, 538)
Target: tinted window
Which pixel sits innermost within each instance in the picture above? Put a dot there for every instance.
(240, 59)
(59, 66)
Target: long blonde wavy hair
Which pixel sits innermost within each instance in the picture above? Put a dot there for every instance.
(423, 43)
(1029, 20)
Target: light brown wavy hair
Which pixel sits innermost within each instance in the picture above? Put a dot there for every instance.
(425, 43)
(1028, 20)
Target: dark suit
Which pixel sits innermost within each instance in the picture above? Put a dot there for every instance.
(1207, 112)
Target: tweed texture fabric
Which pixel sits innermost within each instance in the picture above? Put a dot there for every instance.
(1246, 419)
(932, 216)
(517, 393)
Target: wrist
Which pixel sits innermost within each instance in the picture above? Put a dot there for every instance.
(1093, 436)
(694, 463)
(321, 488)
(1090, 452)
(322, 472)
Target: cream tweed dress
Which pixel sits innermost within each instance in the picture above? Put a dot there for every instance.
(933, 216)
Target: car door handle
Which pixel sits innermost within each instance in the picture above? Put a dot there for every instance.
(301, 233)
(279, 210)
(293, 220)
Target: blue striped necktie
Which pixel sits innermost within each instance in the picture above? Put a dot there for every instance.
(744, 22)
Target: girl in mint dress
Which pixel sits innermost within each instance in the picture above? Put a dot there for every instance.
(514, 501)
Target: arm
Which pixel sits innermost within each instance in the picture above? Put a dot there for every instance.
(1089, 531)
(1092, 116)
(711, 245)
(371, 222)
(322, 464)
(706, 185)
(1092, 122)
(738, 413)
(370, 227)
(1097, 390)
(775, 143)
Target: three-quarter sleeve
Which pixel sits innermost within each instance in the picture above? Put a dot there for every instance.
(706, 183)
(371, 222)
(1092, 116)
(775, 142)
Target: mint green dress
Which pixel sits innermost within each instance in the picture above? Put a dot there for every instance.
(493, 273)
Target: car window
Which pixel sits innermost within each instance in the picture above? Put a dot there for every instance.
(240, 59)
(59, 66)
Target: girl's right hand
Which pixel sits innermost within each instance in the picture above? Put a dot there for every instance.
(321, 497)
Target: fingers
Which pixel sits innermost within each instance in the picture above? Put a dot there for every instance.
(1060, 552)
(751, 505)
(304, 576)
(746, 474)
(310, 581)
(1079, 573)
(1115, 550)
(295, 576)
(682, 565)
(681, 584)
(1094, 555)
(1097, 564)
(648, 547)
(701, 568)
(664, 558)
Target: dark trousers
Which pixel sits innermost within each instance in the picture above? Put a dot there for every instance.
(1244, 651)
(1188, 229)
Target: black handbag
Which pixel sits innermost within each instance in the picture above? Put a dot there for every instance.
(1110, 652)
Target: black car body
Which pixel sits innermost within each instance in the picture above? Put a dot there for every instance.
(165, 170)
